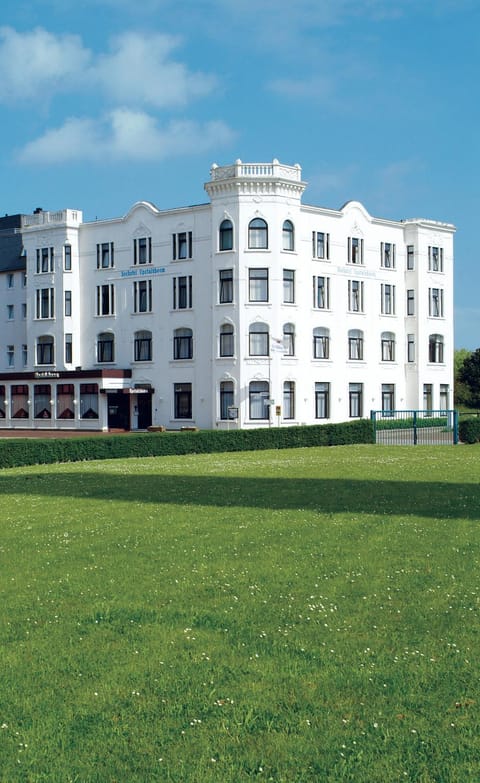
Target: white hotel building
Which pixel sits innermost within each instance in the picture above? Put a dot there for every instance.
(250, 310)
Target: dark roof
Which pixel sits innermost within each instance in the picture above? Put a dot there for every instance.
(11, 244)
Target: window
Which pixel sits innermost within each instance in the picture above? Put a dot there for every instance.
(258, 285)
(226, 347)
(387, 299)
(428, 396)
(435, 302)
(225, 286)
(444, 396)
(142, 296)
(226, 398)
(410, 257)
(410, 347)
(142, 346)
(288, 235)
(2, 402)
(45, 303)
(320, 245)
(387, 255)
(225, 235)
(106, 299)
(388, 347)
(88, 401)
(10, 280)
(24, 310)
(182, 344)
(289, 286)
(258, 398)
(258, 339)
(45, 350)
(355, 400)
(182, 393)
(355, 250)
(321, 343)
(68, 348)
(321, 292)
(24, 280)
(105, 257)
(355, 344)
(322, 400)
(289, 340)
(388, 398)
(257, 234)
(45, 260)
(67, 258)
(24, 355)
(182, 292)
(42, 405)
(410, 301)
(142, 250)
(65, 405)
(68, 303)
(435, 348)
(10, 312)
(289, 400)
(435, 259)
(105, 347)
(10, 355)
(19, 401)
(182, 246)
(355, 296)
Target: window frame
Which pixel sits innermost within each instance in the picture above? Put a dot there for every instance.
(258, 234)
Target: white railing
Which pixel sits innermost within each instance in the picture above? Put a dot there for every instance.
(62, 216)
(257, 171)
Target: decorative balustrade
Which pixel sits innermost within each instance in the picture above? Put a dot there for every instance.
(241, 170)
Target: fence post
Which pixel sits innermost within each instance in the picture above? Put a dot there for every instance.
(415, 439)
(455, 428)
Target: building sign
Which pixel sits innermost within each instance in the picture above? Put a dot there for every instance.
(47, 374)
(153, 270)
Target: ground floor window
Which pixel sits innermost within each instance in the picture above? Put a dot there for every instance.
(2, 402)
(322, 400)
(89, 401)
(226, 398)
(388, 398)
(19, 402)
(42, 404)
(65, 404)
(355, 399)
(428, 396)
(444, 396)
(182, 400)
(289, 400)
(258, 394)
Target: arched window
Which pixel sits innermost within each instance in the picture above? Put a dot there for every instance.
(142, 346)
(45, 349)
(288, 235)
(435, 348)
(105, 347)
(289, 339)
(258, 398)
(258, 341)
(321, 343)
(226, 398)
(388, 346)
(258, 234)
(355, 344)
(226, 340)
(225, 238)
(182, 344)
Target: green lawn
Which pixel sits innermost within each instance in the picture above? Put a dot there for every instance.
(302, 616)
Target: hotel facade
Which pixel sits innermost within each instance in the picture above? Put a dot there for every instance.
(250, 310)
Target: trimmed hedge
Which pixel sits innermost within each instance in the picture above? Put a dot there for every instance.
(469, 430)
(33, 451)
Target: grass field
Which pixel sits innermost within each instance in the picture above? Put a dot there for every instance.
(294, 616)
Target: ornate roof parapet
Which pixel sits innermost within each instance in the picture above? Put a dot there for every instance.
(256, 179)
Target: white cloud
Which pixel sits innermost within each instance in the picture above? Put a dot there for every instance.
(312, 88)
(124, 135)
(139, 70)
(36, 62)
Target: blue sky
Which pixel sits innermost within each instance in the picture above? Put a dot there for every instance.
(107, 102)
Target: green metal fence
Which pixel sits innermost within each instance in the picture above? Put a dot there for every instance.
(415, 427)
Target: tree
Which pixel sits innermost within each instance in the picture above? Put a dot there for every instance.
(469, 379)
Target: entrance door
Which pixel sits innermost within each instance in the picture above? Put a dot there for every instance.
(144, 405)
(118, 410)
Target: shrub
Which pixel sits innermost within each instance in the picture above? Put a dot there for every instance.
(469, 430)
(23, 451)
